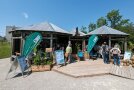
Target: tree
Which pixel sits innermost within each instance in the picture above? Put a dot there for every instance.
(2, 40)
(116, 21)
(91, 27)
(101, 21)
(114, 18)
(84, 29)
(129, 28)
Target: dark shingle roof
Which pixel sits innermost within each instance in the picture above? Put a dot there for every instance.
(106, 30)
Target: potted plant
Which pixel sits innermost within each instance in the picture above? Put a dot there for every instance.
(41, 63)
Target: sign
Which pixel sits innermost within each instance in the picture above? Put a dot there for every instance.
(37, 39)
(19, 60)
(22, 63)
(127, 55)
(91, 42)
(48, 49)
(59, 55)
(30, 43)
(14, 64)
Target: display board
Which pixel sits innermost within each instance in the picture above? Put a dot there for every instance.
(59, 55)
(48, 49)
(127, 55)
(22, 63)
(18, 60)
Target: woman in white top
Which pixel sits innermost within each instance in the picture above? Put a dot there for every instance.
(116, 53)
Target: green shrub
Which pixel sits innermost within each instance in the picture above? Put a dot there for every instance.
(42, 60)
(5, 50)
(37, 60)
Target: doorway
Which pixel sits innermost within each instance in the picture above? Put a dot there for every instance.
(16, 46)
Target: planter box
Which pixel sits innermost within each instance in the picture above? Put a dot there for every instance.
(40, 68)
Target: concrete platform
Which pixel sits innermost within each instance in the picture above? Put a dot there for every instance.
(84, 68)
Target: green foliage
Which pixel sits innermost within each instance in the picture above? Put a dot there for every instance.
(77, 46)
(91, 27)
(37, 60)
(42, 60)
(84, 29)
(124, 25)
(130, 46)
(129, 28)
(49, 62)
(5, 49)
(115, 20)
(101, 21)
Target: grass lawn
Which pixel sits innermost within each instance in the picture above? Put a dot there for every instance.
(5, 50)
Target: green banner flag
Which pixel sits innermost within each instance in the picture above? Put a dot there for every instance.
(30, 43)
(91, 42)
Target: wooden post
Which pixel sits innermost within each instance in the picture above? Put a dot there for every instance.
(21, 43)
(51, 41)
(11, 43)
(109, 46)
(109, 41)
(69, 38)
(83, 44)
(125, 44)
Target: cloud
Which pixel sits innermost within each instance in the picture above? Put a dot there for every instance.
(26, 16)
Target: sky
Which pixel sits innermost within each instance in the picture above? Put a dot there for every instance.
(67, 14)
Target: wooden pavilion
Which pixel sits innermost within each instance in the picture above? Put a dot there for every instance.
(52, 35)
(78, 40)
(111, 36)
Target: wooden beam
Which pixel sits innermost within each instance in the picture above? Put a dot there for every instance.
(125, 44)
(109, 46)
(76, 39)
(117, 39)
(51, 41)
(16, 37)
(83, 44)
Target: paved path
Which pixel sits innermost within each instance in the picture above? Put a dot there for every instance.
(85, 68)
(51, 80)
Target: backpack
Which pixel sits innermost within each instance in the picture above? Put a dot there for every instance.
(105, 49)
(115, 51)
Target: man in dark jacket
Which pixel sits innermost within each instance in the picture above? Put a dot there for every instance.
(105, 52)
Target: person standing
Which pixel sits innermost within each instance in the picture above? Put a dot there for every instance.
(116, 53)
(100, 50)
(105, 53)
(68, 53)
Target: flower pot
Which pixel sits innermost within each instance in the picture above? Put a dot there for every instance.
(35, 68)
(40, 68)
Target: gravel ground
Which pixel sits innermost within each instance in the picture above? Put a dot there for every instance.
(51, 80)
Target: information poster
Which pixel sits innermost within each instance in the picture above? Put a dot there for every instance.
(127, 55)
(22, 63)
(59, 55)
